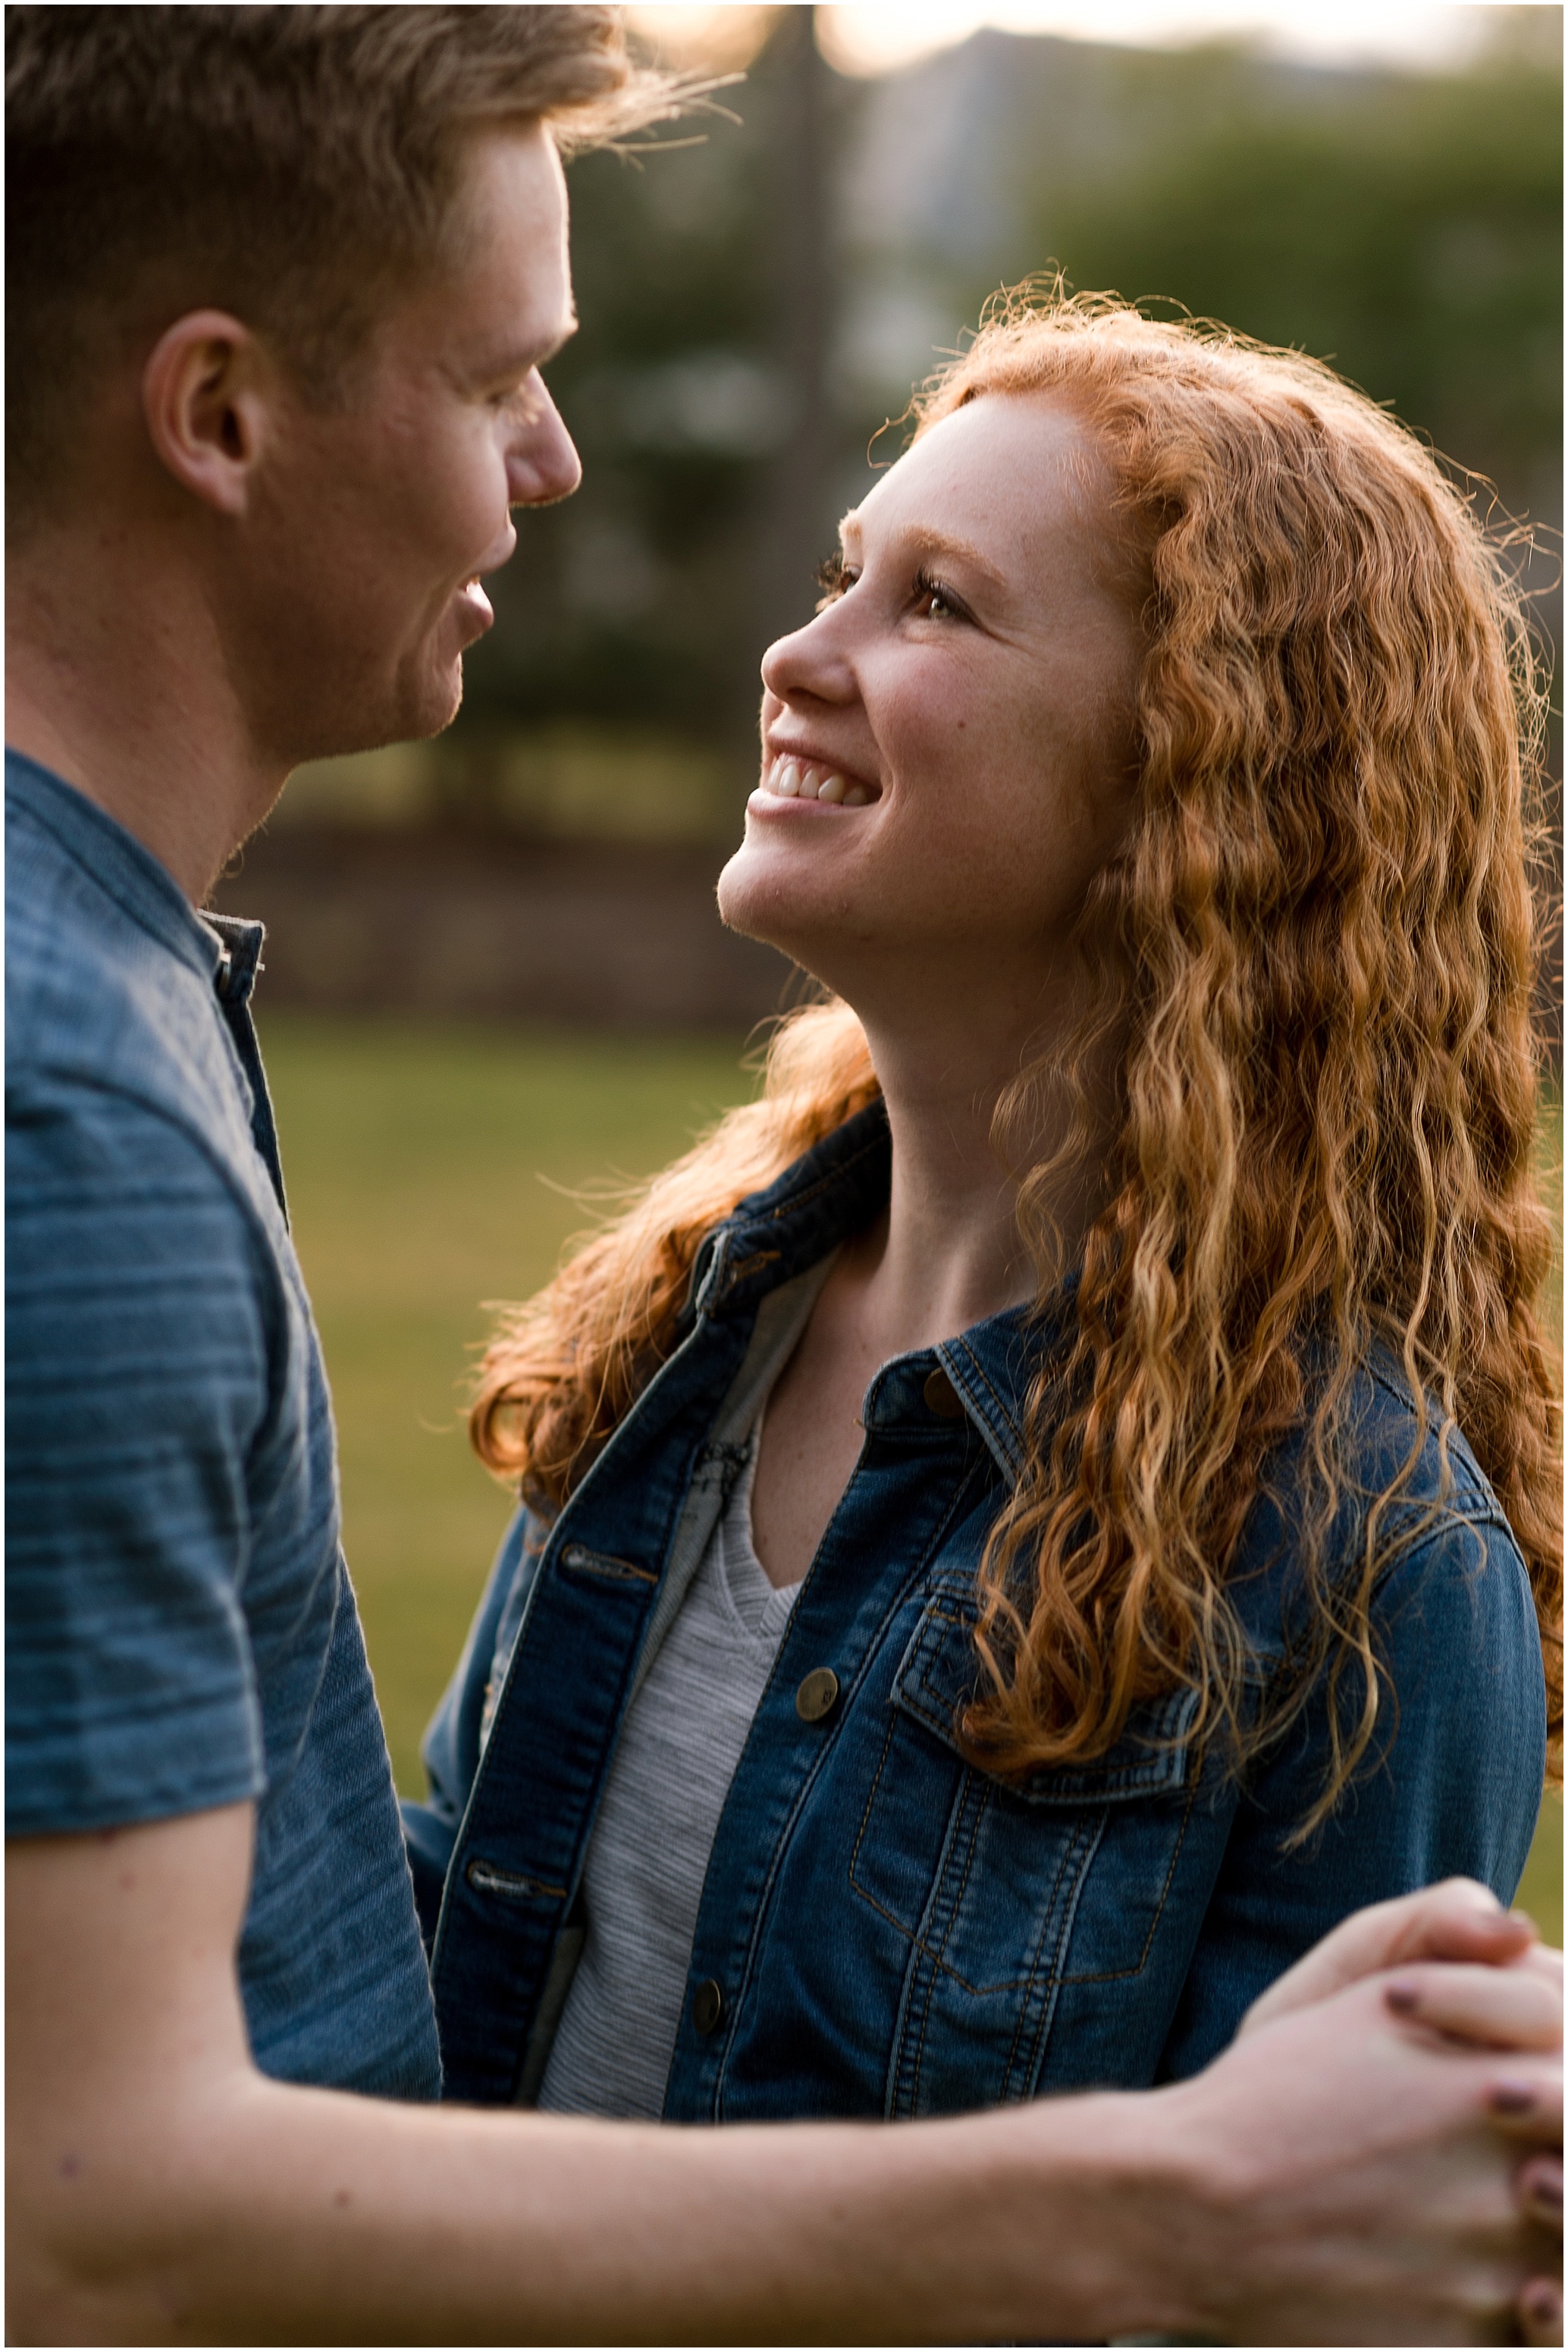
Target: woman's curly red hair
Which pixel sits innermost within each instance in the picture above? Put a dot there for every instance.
(1314, 957)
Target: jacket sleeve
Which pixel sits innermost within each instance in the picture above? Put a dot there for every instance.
(455, 1737)
(1450, 1784)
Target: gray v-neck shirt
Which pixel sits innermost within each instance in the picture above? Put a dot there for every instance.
(683, 1738)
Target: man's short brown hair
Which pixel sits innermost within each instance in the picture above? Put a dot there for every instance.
(291, 164)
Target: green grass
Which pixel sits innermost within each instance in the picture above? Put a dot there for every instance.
(429, 1169)
(1541, 1888)
(425, 1169)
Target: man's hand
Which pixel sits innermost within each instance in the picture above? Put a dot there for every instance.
(1471, 1972)
(1350, 2178)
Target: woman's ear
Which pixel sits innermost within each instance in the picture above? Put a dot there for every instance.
(209, 393)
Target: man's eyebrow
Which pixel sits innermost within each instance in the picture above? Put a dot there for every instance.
(518, 358)
(558, 342)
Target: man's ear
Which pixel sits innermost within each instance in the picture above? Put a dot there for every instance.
(209, 398)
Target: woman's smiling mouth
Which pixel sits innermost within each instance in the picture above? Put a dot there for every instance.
(789, 778)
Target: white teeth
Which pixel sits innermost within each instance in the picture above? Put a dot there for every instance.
(789, 780)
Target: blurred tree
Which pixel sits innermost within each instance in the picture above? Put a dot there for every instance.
(1411, 232)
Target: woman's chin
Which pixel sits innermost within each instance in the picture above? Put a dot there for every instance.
(761, 899)
(824, 916)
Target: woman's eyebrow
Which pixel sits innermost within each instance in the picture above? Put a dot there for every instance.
(938, 546)
(946, 546)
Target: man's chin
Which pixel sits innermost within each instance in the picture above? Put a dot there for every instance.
(421, 706)
(440, 702)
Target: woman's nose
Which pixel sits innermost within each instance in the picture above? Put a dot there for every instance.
(809, 661)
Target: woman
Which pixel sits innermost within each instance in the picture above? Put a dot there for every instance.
(1039, 1516)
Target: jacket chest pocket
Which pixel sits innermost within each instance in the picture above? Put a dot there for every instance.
(1007, 1895)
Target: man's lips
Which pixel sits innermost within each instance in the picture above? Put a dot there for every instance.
(475, 605)
(472, 602)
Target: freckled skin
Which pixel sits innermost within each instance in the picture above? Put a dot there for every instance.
(971, 866)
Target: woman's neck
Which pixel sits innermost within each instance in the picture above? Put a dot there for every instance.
(950, 1252)
(946, 1253)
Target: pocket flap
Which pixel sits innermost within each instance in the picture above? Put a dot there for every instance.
(939, 1675)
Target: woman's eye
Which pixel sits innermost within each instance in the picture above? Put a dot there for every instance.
(833, 576)
(933, 601)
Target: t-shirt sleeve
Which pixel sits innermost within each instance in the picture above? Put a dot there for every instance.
(138, 1325)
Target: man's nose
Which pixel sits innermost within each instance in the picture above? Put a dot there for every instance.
(543, 464)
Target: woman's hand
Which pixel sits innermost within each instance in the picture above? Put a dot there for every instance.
(1457, 1920)
(1515, 2006)
(1466, 1971)
(1540, 2185)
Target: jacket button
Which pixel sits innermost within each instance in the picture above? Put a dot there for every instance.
(816, 1695)
(706, 2005)
(942, 1397)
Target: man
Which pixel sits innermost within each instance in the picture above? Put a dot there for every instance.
(281, 284)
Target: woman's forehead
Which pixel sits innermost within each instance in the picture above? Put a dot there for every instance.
(1006, 480)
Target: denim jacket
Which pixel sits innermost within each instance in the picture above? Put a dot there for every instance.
(884, 1929)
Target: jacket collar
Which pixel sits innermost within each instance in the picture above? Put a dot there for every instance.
(832, 1191)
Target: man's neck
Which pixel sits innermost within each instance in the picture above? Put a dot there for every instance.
(115, 679)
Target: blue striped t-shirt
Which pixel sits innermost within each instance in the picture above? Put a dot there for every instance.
(181, 1632)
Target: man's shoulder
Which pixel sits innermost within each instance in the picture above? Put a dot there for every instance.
(109, 1006)
(95, 931)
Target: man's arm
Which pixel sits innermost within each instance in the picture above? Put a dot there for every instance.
(1334, 2176)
